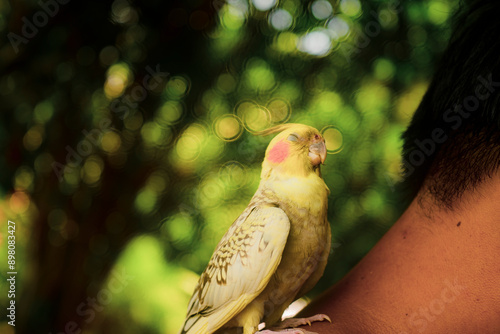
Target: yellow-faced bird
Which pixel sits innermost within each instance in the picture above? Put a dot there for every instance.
(276, 250)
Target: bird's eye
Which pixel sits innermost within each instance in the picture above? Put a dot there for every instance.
(293, 137)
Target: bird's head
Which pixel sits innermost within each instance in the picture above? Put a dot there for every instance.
(297, 150)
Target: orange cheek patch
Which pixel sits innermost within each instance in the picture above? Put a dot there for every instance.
(278, 153)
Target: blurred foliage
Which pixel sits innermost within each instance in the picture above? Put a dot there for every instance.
(127, 132)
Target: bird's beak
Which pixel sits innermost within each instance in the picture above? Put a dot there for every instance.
(317, 153)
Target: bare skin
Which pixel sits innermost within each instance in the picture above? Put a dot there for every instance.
(435, 271)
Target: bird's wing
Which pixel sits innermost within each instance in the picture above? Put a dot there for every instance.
(239, 269)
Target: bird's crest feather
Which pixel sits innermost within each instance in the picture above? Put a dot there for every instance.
(276, 129)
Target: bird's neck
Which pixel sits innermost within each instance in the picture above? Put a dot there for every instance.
(291, 167)
(309, 192)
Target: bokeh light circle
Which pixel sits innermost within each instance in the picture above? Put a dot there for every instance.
(280, 110)
(351, 7)
(210, 191)
(233, 174)
(280, 19)
(228, 127)
(321, 9)
(338, 28)
(189, 145)
(177, 87)
(254, 117)
(334, 139)
(316, 43)
(19, 202)
(171, 112)
(264, 5)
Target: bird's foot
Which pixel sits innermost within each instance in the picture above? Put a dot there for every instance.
(295, 322)
(288, 325)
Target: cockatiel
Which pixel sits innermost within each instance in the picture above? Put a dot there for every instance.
(276, 250)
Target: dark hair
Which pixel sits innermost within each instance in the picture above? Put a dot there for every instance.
(453, 140)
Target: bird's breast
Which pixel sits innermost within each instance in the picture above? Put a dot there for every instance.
(305, 204)
(304, 200)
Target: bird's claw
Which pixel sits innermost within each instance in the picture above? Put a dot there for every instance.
(288, 325)
(295, 322)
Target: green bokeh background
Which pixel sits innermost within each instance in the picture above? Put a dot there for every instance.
(163, 164)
